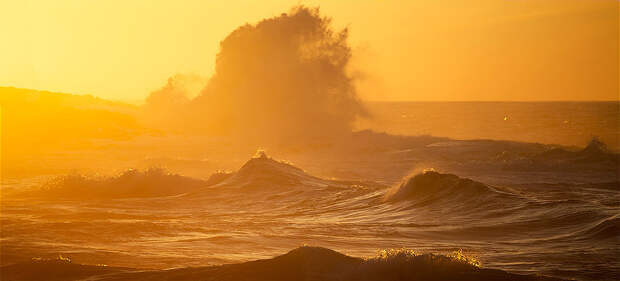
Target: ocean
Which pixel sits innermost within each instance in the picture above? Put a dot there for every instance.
(518, 187)
(564, 123)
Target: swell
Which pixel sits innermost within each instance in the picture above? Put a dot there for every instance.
(431, 186)
(132, 183)
(607, 229)
(304, 263)
(450, 194)
(269, 204)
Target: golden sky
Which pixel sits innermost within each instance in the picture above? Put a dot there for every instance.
(407, 50)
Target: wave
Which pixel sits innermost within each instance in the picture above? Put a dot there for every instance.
(304, 263)
(594, 157)
(264, 173)
(607, 229)
(262, 170)
(152, 182)
(430, 186)
(275, 202)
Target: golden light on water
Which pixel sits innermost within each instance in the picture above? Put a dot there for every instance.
(185, 140)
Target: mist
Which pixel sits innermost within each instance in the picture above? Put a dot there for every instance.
(286, 77)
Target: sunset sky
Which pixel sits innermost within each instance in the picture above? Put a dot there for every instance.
(406, 50)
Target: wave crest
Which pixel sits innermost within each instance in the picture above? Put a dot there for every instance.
(607, 229)
(431, 185)
(152, 182)
(262, 170)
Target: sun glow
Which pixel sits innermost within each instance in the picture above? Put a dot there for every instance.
(134, 139)
(451, 50)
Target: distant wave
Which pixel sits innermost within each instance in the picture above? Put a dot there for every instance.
(131, 183)
(304, 263)
(594, 157)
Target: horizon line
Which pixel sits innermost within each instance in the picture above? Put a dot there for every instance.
(141, 100)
